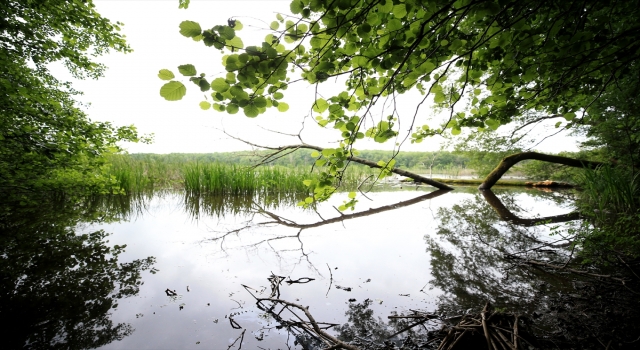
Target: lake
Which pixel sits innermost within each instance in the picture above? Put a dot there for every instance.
(183, 271)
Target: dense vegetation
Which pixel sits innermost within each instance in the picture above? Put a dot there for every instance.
(46, 140)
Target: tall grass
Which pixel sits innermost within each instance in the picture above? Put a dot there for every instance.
(611, 191)
(135, 175)
(610, 201)
(157, 173)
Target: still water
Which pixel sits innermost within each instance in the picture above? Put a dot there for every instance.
(196, 264)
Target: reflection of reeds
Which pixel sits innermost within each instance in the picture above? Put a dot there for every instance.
(122, 206)
(202, 204)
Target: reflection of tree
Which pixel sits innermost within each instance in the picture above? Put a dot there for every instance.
(506, 215)
(468, 257)
(362, 330)
(57, 286)
(271, 219)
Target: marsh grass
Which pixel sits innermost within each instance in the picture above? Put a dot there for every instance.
(610, 201)
(610, 191)
(140, 174)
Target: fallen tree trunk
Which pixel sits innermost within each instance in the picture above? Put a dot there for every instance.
(514, 159)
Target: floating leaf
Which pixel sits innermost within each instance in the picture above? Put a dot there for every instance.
(173, 91)
(190, 29)
(166, 74)
(187, 70)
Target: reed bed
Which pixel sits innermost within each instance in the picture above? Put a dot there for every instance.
(214, 178)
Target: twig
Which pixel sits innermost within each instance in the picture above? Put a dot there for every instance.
(330, 281)
(484, 326)
(241, 338)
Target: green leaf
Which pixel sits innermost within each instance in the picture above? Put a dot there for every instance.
(205, 105)
(274, 25)
(232, 108)
(166, 74)
(320, 105)
(190, 29)
(236, 43)
(493, 124)
(569, 116)
(251, 110)
(296, 7)
(187, 70)
(283, 107)
(219, 85)
(439, 97)
(455, 131)
(394, 24)
(400, 10)
(173, 91)
(352, 195)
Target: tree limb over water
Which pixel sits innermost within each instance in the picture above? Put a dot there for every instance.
(280, 149)
(514, 159)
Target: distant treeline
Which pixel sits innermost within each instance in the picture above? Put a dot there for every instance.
(405, 160)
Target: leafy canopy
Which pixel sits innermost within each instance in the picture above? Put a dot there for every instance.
(45, 139)
(489, 62)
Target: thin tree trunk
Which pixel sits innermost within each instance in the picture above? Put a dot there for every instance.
(514, 159)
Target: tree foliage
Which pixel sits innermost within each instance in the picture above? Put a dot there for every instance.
(489, 62)
(44, 135)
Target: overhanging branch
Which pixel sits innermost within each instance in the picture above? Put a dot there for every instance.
(363, 161)
(514, 159)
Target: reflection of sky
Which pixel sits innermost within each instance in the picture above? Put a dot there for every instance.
(387, 248)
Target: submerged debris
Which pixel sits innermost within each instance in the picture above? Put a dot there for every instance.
(495, 330)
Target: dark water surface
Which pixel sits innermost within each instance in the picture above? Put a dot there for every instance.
(68, 279)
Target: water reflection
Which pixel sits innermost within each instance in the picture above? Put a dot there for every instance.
(57, 285)
(468, 254)
(380, 252)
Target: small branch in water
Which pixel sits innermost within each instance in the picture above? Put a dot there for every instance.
(330, 281)
(241, 338)
(580, 272)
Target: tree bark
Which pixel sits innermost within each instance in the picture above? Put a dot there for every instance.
(514, 159)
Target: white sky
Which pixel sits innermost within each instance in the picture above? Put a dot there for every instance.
(129, 92)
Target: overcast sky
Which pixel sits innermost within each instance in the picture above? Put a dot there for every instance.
(129, 92)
